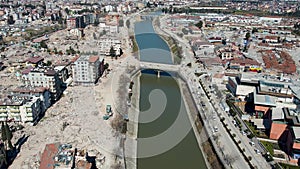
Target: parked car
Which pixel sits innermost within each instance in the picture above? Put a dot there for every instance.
(216, 129)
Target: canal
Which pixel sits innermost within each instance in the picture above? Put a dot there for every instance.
(165, 136)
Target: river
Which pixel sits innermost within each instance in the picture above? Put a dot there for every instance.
(165, 136)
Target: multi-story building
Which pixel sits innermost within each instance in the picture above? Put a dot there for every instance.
(76, 21)
(20, 110)
(27, 92)
(106, 43)
(9, 110)
(87, 69)
(31, 110)
(43, 77)
(71, 23)
(109, 28)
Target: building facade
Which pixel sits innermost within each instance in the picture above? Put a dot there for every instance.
(87, 69)
(28, 92)
(43, 77)
(21, 110)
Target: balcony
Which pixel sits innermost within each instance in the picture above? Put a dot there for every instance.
(14, 110)
(3, 115)
(29, 119)
(3, 110)
(3, 118)
(15, 114)
(29, 111)
(29, 115)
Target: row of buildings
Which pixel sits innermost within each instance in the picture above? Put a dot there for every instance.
(272, 104)
(44, 85)
(252, 56)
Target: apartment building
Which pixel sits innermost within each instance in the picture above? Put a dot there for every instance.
(27, 92)
(105, 43)
(20, 110)
(43, 77)
(87, 69)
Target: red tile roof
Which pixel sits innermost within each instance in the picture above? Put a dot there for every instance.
(27, 70)
(296, 146)
(75, 58)
(285, 64)
(35, 59)
(277, 130)
(218, 75)
(271, 37)
(261, 108)
(244, 61)
(40, 39)
(47, 159)
(93, 59)
(29, 89)
(81, 164)
(50, 72)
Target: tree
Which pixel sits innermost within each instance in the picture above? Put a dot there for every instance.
(112, 52)
(94, 36)
(55, 50)
(10, 20)
(185, 31)
(254, 30)
(247, 36)
(127, 23)
(121, 22)
(199, 24)
(44, 45)
(106, 65)
(148, 5)
(224, 41)
(67, 11)
(48, 63)
(121, 52)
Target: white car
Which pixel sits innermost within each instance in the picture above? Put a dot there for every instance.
(216, 129)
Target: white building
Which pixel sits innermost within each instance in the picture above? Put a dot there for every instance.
(28, 92)
(106, 43)
(109, 28)
(87, 69)
(270, 19)
(23, 110)
(43, 77)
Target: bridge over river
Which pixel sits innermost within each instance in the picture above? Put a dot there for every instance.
(159, 67)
